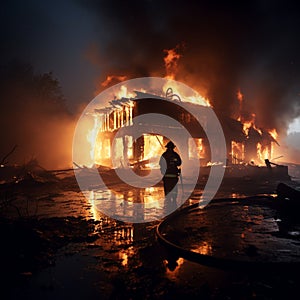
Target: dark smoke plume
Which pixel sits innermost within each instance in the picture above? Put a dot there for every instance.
(251, 46)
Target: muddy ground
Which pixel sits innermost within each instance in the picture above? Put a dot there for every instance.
(56, 245)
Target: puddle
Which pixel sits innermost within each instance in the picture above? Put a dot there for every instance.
(124, 259)
(234, 231)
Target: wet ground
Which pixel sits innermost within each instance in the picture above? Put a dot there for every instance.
(236, 233)
(57, 245)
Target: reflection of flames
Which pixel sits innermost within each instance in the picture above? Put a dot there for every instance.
(173, 273)
(124, 255)
(205, 248)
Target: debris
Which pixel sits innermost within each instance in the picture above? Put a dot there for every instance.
(3, 161)
(285, 191)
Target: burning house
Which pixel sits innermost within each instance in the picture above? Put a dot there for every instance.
(246, 144)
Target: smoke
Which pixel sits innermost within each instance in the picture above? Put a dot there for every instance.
(289, 150)
(35, 118)
(251, 47)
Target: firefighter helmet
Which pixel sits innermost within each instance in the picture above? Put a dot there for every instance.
(170, 145)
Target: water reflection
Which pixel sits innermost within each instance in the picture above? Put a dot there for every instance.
(204, 248)
(232, 231)
(125, 256)
(120, 203)
(173, 266)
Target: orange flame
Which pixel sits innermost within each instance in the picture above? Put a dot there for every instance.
(171, 62)
(111, 78)
(248, 124)
(237, 152)
(240, 96)
(92, 137)
(101, 149)
(274, 134)
(184, 94)
(263, 152)
(171, 65)
(153, 149)
(124, 93)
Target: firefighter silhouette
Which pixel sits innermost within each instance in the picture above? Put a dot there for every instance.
(169, 163)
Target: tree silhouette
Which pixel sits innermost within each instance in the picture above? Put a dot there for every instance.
(20, 85)
(33, 115)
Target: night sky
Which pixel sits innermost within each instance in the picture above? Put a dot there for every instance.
(252, 46)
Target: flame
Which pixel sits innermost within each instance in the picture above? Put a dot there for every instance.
(246, 126)
(92, 136)
(101, 148)
(196, 148)
(249, 124)
(171, 62)
(258, 130)
(240, 97)
(274, 134)
(184, 94)
(123, 112)
(216, 163)
(263, 152)
(171, 66)
(124, 93)
(110, 78)
(153, 149)
(237, 152)
(198, 100)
